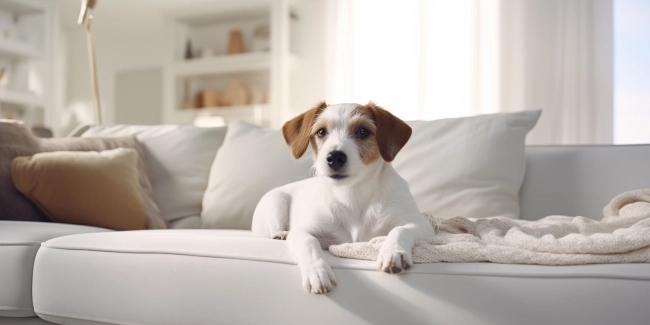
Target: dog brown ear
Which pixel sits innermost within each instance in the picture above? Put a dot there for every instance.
(392, 133)
(296, 132)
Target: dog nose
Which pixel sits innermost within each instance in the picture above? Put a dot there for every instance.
(336, 159)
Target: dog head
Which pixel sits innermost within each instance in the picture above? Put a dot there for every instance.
(348, 140)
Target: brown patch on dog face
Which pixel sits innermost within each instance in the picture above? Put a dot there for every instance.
(314, 139)
(297, 132)
(314, 144)
(368, 147)
(368, 150)
(391, 133)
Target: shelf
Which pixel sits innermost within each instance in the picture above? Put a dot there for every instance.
(20, 97)
(16, 49)
(244, 62)
(230, 111)
(255, 12)
(254, 113)
(219, 12)
(21, 7)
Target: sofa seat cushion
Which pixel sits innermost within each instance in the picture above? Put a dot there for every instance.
(19, 242)
(230, 277)
(191, 222)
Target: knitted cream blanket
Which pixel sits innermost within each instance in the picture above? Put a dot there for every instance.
(622, 236)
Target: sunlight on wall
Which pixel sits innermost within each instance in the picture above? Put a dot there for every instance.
(418, 59)
(35, 77)
(448, 59)
(386, 55)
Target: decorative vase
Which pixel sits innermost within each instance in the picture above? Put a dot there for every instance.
(236, 42)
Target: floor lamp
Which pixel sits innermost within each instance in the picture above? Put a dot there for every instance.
(86, 16)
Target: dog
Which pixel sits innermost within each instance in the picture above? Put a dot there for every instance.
(355, 196)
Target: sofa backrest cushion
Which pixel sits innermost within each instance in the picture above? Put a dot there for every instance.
(179, 162)
(470, 167)
(252, 161)
(580, 180)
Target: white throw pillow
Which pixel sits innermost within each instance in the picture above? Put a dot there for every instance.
(252, 161)
(470, 167)
(179, 159)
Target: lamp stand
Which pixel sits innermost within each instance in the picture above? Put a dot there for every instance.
(90, 40)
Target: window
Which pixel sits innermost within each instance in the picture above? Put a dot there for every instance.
(631, 71)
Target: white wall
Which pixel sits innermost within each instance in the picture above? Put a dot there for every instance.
(76, 106)
(138, 96)
(307, 83)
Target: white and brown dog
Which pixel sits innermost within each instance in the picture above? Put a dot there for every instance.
(355, 196)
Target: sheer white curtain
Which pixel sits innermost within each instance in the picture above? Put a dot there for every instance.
(429, 59)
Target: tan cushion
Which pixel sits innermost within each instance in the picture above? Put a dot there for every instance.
(101, 144)
(90, 188)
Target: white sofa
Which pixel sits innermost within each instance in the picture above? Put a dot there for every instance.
(86, 275)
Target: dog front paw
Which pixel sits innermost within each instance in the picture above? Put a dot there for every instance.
(318, 278)
(394, 261)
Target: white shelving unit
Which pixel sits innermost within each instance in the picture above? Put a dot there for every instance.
(254, 113)
(207, 30)
(244, 62)
(27, 33)
(13, 49)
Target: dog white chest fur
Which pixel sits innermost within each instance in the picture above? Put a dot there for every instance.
(356, 194)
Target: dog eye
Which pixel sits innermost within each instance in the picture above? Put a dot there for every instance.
(321, 133)
(362, 133)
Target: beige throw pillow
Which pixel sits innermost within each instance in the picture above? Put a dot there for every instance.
(90, 188)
